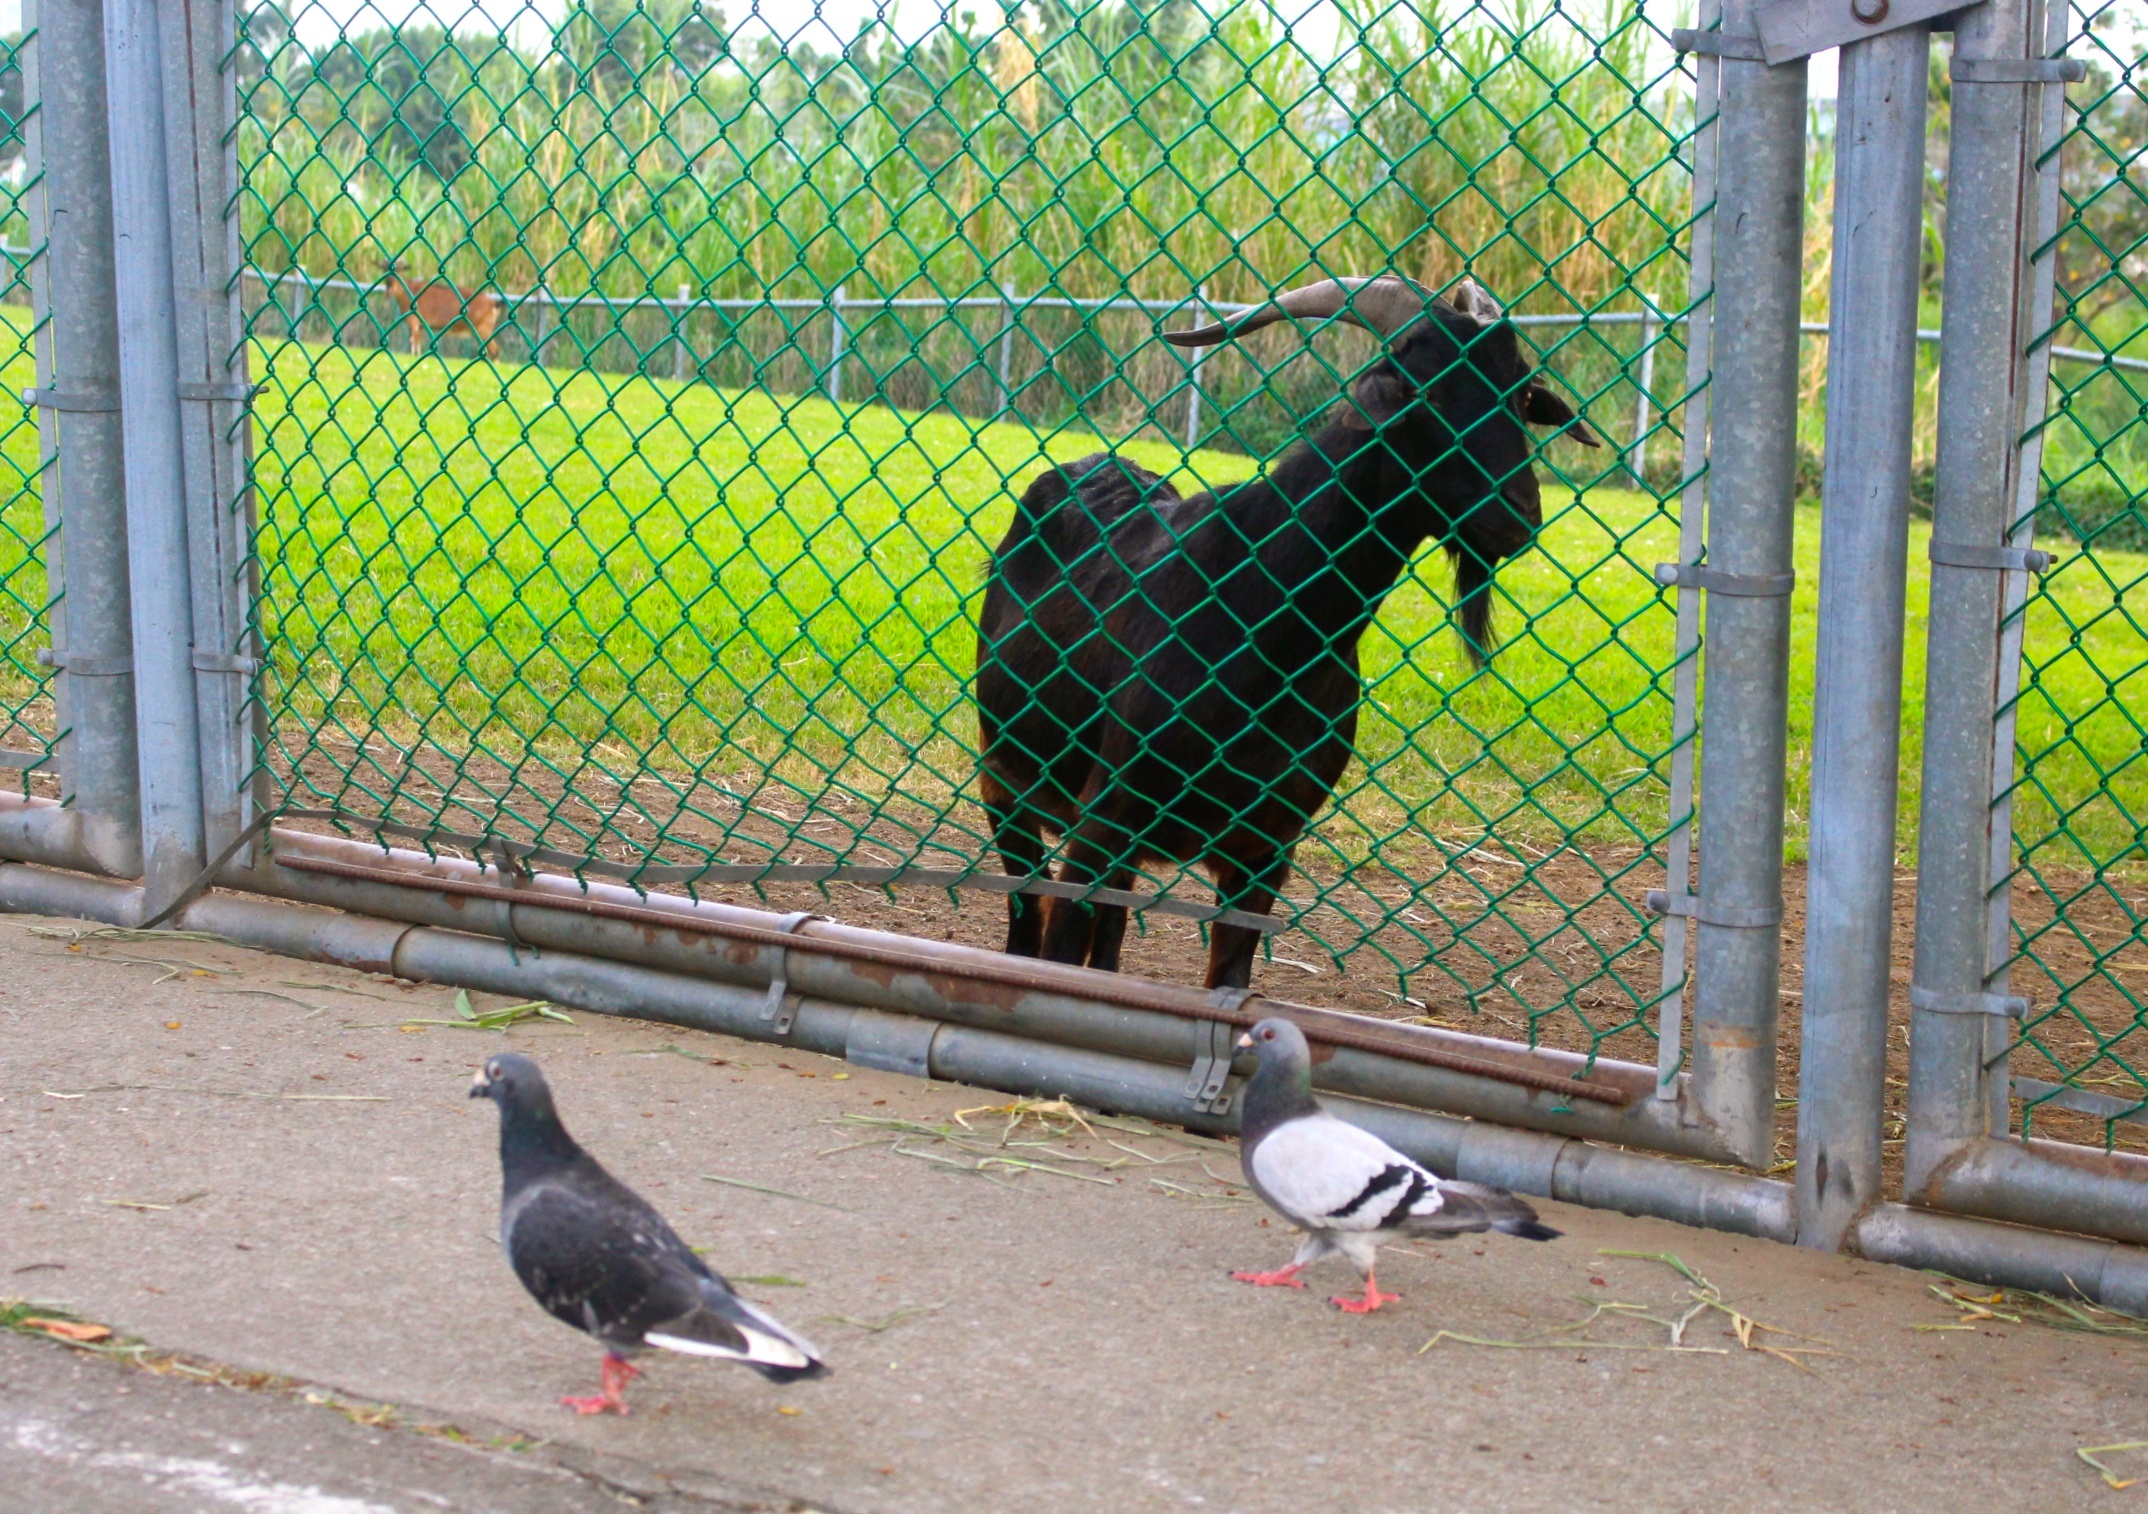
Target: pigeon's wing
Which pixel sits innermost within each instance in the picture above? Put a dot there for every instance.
(723, 1324)
(1472, 1206)
(609, 1267)
(1326, 1174)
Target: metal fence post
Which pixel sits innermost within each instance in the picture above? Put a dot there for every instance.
(835, 346)
(1645, 383)
(1006, 355)
(1193, 381)
(167, 726)
(1752, 460)
(199, 99)
(1857, 694)
(78, 372)
(1958, 1020)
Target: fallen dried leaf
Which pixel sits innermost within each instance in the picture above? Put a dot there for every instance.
(69, 1329)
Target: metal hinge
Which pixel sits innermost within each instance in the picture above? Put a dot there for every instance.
(1215, 1042)
(84, 667)
(1959, 554)
(1934, 1002)
(88, 401)
(780, 1008)
(1715, 581)
(1730, 917)
(2017, 71)
(1718, 44)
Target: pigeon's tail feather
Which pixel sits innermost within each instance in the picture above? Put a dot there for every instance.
(727, 1326)
(1472, 1206)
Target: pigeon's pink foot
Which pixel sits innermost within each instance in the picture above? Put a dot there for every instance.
(618, 1372)
(1287, 1278)
(1372, 1300)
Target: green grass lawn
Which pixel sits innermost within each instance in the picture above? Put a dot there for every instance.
(564, 570)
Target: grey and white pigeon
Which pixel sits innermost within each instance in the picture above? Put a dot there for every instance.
(599, 1258)
(1347, 1189)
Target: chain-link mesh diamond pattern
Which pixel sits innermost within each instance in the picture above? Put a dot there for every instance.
(2080, 888)
(26, 713)
(646, 387)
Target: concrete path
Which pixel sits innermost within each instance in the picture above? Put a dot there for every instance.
(257, 1163)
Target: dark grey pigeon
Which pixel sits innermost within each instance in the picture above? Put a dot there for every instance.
(1347, 1189)
(594, 1253)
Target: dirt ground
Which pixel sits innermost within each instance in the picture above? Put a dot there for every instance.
(268, 1175)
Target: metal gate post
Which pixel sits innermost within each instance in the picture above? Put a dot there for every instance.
(200, 104)
(1988, 389)
(1759, 257)
(100, 824)
(168, 731)
(1857, 696)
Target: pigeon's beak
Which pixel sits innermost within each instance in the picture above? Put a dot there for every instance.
(481, 1086)
(1245, 1042)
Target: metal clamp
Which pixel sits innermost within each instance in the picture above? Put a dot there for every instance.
(2017, 71)
(1934, 1002)
(1730, 917)
(237, 393)
(780, 1008)
(1717, 45)
(223, 662)
(1743, 585)
(89, 401)
(84, 667)
(1961, 554)
(1215, 1042)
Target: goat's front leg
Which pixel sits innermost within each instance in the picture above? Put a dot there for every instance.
(1020, 842)
(1231, 947)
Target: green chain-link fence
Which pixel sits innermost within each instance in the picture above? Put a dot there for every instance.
(645, 388)
(2080, 887)
(26, 714)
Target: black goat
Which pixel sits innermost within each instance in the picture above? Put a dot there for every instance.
(1170, 678)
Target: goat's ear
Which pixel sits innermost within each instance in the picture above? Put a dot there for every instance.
(1540, 407)
(1377, 396)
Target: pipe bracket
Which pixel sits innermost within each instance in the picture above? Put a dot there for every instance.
(1934, 1001)
(1707, 912)
(223, 662)
(236, 393)
(780, 1008)
(85, 667)
(80, 401)
(1715, 581)
(1718, 45)
(1961, 554)
(2018, 71)
(1215, 1043)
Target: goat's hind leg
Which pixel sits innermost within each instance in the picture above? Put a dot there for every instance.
(1020, 842)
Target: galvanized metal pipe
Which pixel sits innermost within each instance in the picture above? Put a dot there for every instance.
(1064, 1009)
(1553, 1166)
(1752, 459)
(167, 729)
(2065, 1266)
(1985, 329)
(1549, 1166)
(200, 111)
(85, 491)
(2048, 1183)
(1857, 696)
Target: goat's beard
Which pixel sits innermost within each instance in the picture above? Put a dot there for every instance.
(1473, 602)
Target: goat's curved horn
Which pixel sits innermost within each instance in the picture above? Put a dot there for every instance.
(1383, 304)
(1473, 299)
